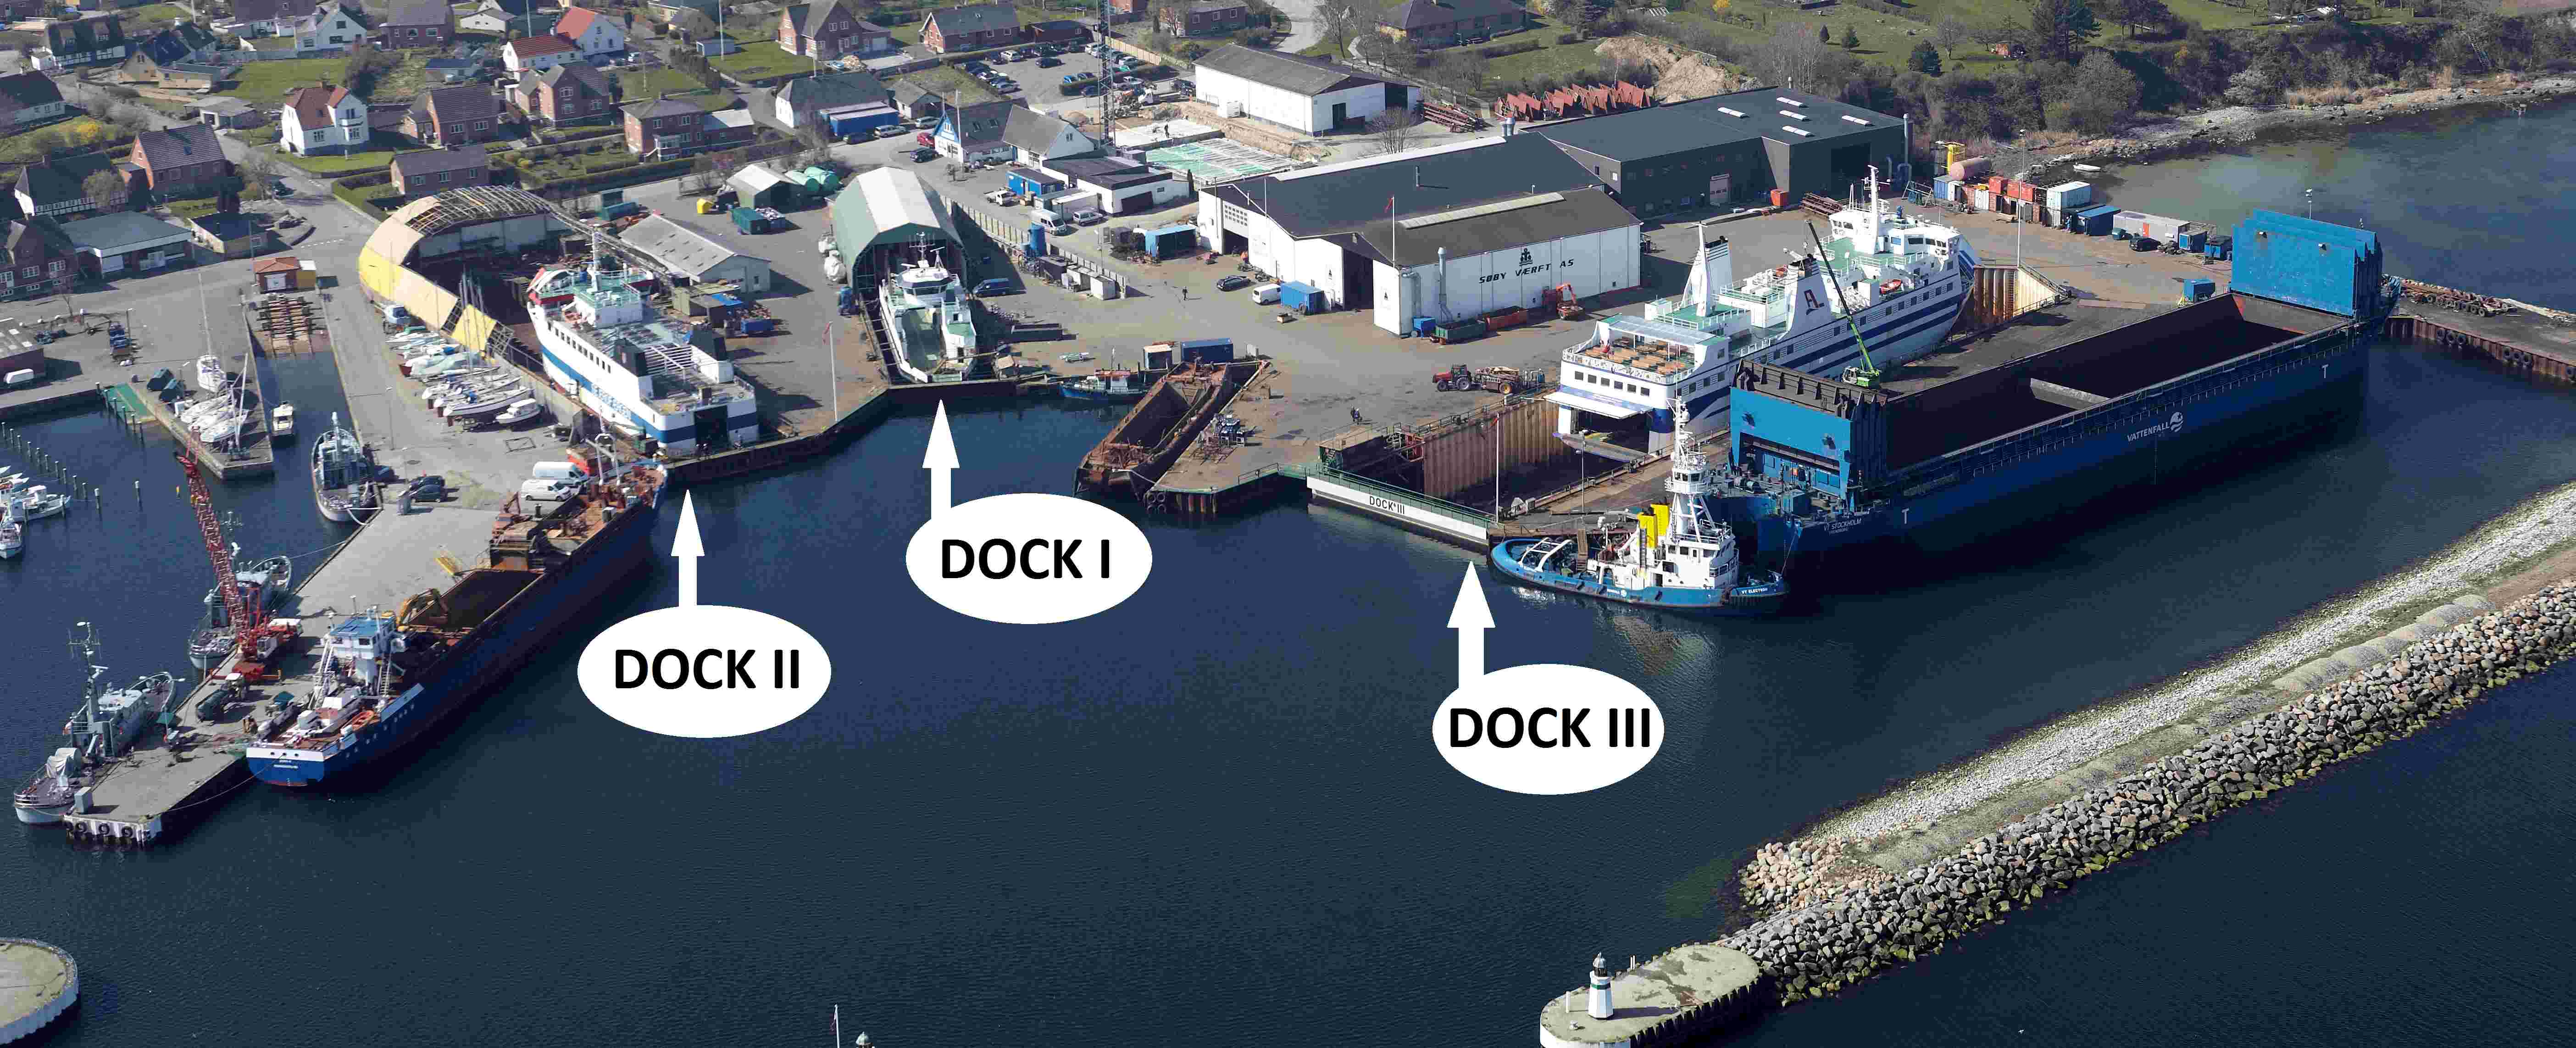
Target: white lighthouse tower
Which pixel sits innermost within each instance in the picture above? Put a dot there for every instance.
(1598, 1005)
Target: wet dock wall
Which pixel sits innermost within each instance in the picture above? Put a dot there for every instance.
(1845, 925)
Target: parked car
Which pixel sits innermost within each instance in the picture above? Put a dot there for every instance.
(890, 131)
(1003, 197)
(1049, 62)
(924, 155)
(2142, 244)
(924, 122)
(977, 67)
(993, 286)
(1233, 282)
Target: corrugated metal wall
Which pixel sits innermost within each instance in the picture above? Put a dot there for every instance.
(1463, 458)
(2000, 293)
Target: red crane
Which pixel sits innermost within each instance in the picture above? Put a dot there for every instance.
(236, 603)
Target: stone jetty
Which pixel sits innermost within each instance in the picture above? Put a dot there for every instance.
(1839, 919)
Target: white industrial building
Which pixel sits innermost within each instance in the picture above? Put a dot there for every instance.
(1121, 187)
(684, 251)
(1306, 94)
(1449, 233)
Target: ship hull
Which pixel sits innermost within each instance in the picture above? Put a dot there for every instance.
(41, 814)
(1099, 397)
(532, 620)
(1748, 601)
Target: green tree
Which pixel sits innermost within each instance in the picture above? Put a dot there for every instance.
(2104, 93)
(2135, 14)
(1926, 60)
(2058, 28)
(1851, 38)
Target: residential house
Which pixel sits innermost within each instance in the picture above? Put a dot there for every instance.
(663, 129)
(185, 42)
(592, 34)
(453, 116)
(451, 70)
(970, 28)
(828, 30)
(914, 99)
(182, 161)
(669, 12)
(530, 54)
(29, 98)
(36, 259)
(329, 27)
(90, 39)
(320, 120)
(564, 94)
(439, 170)
(232, 235)
(1440, 23)
(60, 188)
(124, 242)
(810, 100)
(419, 23)
(1122, 12)
(257, 18)
(1206, 17)
(1036, 137)
(488, 20)
(974, 132)
(180, 76)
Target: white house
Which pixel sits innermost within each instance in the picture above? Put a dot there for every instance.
(322, 120)
(490, 18)
(1121, 187)
(1304, 94)
(592, 33)
(536, 54)
(328, 27)
(1035, 137)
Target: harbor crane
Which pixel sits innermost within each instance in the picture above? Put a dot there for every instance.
(254, 639)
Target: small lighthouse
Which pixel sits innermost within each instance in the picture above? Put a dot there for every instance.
(1598, 1005)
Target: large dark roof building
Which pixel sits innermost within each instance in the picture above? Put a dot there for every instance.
(1347, 198)
(1731, 148)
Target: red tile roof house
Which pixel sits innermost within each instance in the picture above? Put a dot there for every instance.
(439, 170)
(529, 54)
(454, 116)
(181, 161)
(829, 30)
(564, 94)
(663, 129)
(419, 23)
(970, 28)
(592, 33)
(40, 259)
(1206, 17)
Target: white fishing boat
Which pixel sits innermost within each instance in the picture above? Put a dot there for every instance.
(210, 373)
(13, 533)
(344, 476)
(483, 402)
(37, 504)
(281, 422)
(520, 411)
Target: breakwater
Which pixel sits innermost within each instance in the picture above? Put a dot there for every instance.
(1851, 919)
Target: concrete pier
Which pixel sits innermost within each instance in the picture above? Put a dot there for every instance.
(38, 983)
(1687, 991)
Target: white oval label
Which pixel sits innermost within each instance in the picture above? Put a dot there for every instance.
(1548, 728)
(705, 671)
(1029, 558)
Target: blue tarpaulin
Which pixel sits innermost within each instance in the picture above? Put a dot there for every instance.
(723, 299)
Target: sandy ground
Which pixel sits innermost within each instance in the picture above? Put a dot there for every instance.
(1685, 75)
(2237, 124)
(2533, 546)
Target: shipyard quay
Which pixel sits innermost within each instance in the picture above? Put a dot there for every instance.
(1428, 527)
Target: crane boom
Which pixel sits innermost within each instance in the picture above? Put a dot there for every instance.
(227, 586)
(1867, 374)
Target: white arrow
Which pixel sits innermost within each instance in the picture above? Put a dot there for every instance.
(686, 546)
(1471, 619)
(939, 459)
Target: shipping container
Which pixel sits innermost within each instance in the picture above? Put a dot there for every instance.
(2096, 220)
(1995, 184)
(2197, 289)
(1945, 190)
(1301, 297)
(749, 221)
(2192, 238)
(2070, 194)
(2022, 191)
(1982, 198)
(2133, 223)
(1459, 331)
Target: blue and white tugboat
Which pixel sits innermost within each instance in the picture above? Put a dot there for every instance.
(1680, 557)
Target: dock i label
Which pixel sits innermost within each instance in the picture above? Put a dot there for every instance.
(1023, 559)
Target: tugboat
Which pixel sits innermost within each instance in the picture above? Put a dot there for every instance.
(1680, 557)
(344, 476)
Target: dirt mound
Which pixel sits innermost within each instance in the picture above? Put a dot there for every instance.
(1681, 74)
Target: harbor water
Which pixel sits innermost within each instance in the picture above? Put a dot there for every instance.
(1213, 813)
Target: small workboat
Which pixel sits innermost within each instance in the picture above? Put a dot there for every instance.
(281, 422)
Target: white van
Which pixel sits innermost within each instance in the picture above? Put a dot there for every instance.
(548, 490)
(557, 470)
(1265, 293)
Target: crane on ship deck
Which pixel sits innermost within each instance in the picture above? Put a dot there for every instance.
(253, 639)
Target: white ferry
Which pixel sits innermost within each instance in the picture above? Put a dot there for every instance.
(931, 322)
(646, 373)
(1903, 279)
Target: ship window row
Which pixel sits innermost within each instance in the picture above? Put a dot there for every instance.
(1631, 387)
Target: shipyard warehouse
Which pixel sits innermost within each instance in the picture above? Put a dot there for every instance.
(1422, 237)
(1731, 149)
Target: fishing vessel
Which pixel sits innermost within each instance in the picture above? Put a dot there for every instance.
(344, 475)
(1108, 386)
(1680, 556)
(1883, 288)
(667, 380)
(386, 678)
(210, 374)
(101, 730)
(262, 585)
(13, 532)
(932, 324)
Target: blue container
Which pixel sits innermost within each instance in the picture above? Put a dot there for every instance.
(1301, 298)
(1422, 326)
(2095, 221)
(759, 326)
(1037, 239)
(1204, 351)
(2198, 289)
(1025, 181)
(1944, 190)
(2216, 250)
(621, 209)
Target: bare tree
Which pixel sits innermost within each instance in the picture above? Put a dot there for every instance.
(1394, 131)
(1794, 55)
(1338, 23)
(107, 188)
(257, 173)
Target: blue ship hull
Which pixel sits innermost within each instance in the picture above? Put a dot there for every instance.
(1757, 599)
(531, 620)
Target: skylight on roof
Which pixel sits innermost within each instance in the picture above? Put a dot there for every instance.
(1794, 114)
(1798, 131)
(1739, 114)
(1788, 101)
(1856, 120)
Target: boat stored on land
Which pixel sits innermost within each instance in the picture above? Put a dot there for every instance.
(210, 374)
(931, 323)
(639, 368)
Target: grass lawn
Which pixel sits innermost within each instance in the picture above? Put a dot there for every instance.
(266, 83)
(760, 59)
(955, 83)
(405, 80)
(156, 16)
(348, 164)
(183, 210)
(640, 85)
